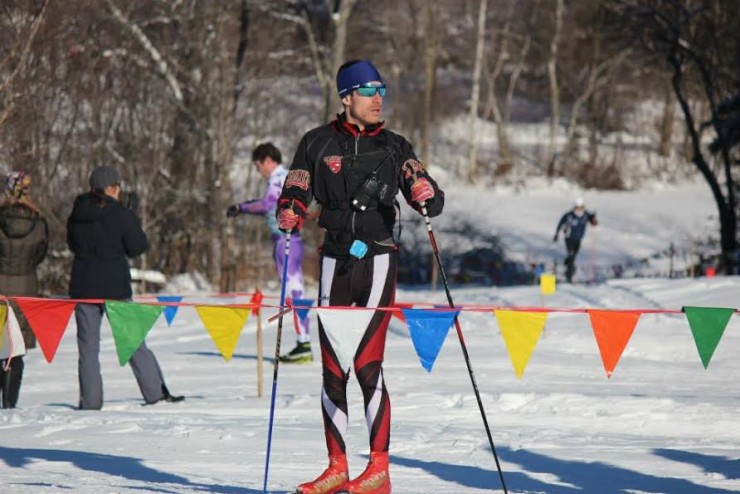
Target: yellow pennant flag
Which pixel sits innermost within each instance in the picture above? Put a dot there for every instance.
(224, 324)
(3, 317)
(521, 331)
(547, 284)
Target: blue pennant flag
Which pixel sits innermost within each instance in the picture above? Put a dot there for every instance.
(303, 302)
(428, 329)
(170, 310)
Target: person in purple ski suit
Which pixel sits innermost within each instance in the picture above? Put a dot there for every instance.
(268, 161)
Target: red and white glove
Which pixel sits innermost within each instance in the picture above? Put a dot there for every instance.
(421, 191)
(288, 220)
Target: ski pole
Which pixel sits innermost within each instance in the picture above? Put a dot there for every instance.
(442, 274)
(277, 359)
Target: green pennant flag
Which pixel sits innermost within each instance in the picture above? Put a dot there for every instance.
(130, 323)
(707, 325)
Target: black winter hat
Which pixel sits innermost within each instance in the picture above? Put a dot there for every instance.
(104, 176)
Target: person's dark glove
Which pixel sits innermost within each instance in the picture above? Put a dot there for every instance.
(593, 219)
(234, 210)
(555, 238)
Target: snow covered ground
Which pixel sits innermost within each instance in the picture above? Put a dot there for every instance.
(660, 424)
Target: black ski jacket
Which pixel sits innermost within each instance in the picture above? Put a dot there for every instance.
(102, 233)
(331, 165)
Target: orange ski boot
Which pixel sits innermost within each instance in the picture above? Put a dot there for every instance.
(374, 480)
(334, 478)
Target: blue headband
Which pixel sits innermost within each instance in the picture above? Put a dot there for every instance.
(354, 76)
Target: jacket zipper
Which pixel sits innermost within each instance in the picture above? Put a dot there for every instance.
(357, 142)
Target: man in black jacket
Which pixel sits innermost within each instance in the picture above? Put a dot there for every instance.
(102, 234)
(354, 168)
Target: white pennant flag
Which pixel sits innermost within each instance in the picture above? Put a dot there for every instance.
(12, 344)
(345, 328)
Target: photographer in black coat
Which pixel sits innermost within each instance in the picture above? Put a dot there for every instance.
(103, 233)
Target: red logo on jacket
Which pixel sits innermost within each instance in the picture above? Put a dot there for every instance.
(334, 163)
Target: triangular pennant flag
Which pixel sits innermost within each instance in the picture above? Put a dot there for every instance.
(428, 329)
(305, 304)
(170, 310)
(224, 324)
(707, 325)
(130, 323)
(48, 320)
(612, 330)
(399, 313)
(13, 344)
(345, 328)
(3, 317)
(521, 331)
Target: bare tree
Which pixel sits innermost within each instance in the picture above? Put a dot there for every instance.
(552, 75)
(475, 91)
(693, 36)
(431, 55)
(328, 57)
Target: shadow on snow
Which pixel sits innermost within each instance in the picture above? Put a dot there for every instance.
(125, 467)
(575, 476)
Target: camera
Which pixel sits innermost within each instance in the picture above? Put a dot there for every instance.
(129, 200)
(368, 191)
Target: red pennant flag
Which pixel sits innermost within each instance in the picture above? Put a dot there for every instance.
(48, 320)
(399, 313)
(612, 330)
(256, 299)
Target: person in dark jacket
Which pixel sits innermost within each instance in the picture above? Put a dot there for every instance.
(24, 241)
(354, 168)
(102, 233)
(573, 225)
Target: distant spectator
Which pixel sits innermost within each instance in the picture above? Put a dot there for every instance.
(268, 161)
(573, 225)
(102, 233)
(24, 241)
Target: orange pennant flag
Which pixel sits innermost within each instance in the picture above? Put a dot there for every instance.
(48, 320)
(612, 330)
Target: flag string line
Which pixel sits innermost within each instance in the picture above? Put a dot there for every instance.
(399, 307)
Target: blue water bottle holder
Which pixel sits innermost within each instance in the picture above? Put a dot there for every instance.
(358, 249)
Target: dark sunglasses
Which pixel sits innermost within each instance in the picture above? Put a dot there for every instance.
(370, 91)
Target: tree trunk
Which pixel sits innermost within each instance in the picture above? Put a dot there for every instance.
(553, 78)
(475, 94)
(727, 218)
(341, 19)
(666, 124)
(492, 105)
(431, 51)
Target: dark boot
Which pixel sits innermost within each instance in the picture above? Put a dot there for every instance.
(169, 397)
(12, 383)
(3, 385)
